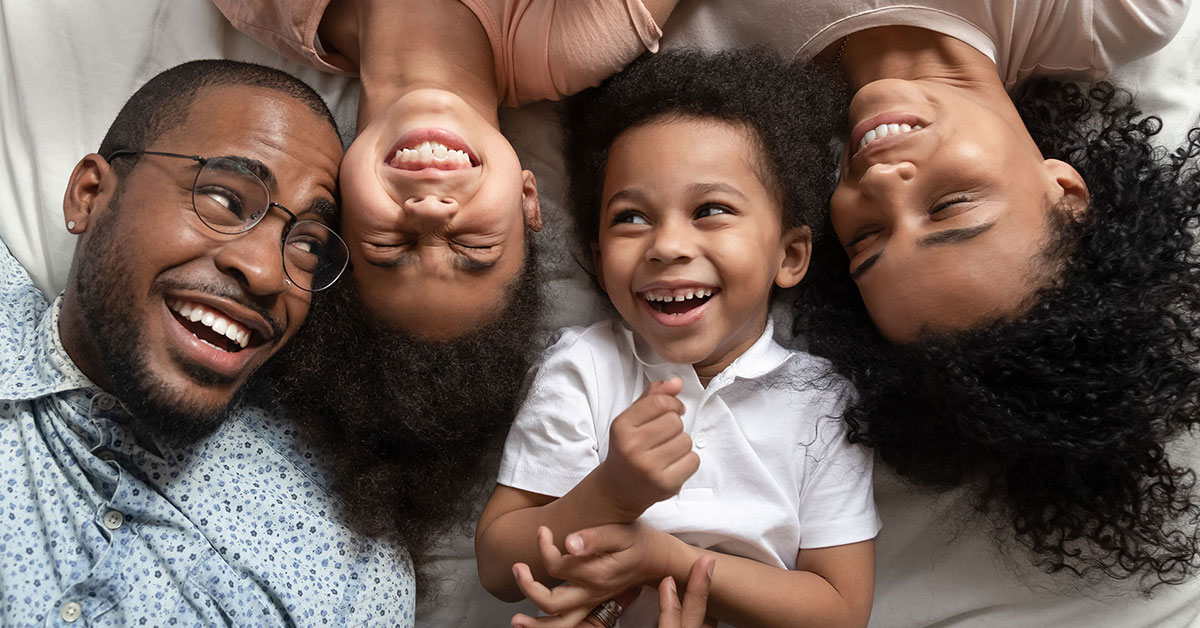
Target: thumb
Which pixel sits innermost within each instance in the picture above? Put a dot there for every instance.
(672, 387)
(604, 539)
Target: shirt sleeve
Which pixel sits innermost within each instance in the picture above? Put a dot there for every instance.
(559, 47)
(1127, 30)
(553, 442)
(837, 502)
(22, 307)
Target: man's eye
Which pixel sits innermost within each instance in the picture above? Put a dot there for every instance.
(221, 198)
(630, 217)
(712, 209)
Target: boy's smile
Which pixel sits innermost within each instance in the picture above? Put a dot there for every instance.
(691, 240)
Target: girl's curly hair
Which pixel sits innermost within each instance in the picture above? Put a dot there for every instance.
(1063, 416)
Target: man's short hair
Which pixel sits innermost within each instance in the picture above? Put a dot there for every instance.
(164, 101)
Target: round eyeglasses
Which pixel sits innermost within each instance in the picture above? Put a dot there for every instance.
(230, 198)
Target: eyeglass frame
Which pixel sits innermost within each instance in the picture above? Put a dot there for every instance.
(293, 220)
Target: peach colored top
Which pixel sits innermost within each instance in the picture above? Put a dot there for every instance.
(544, 49)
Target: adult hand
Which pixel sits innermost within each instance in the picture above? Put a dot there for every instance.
(649, 455)
(691, 614)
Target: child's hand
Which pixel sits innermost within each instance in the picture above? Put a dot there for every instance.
(649, 456)
(603, 562)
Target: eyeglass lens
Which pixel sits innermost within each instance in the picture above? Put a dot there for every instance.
(231, 199)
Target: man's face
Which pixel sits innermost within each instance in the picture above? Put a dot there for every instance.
(148, 264)
(943, 210)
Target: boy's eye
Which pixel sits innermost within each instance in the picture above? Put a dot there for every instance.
(629, 217)
(711, 209)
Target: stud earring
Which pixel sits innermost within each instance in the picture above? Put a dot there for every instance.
(71, 226)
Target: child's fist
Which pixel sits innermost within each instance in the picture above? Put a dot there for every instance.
(649, 455)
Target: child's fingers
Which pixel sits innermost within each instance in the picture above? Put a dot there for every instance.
(681, 469)
(695, 602)
(557, 601)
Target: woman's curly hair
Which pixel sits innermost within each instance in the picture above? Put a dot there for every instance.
(1063, 416)
(410, 430)
(752, 89)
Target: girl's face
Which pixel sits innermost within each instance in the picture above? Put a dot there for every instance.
(691, 240)
(435, 208)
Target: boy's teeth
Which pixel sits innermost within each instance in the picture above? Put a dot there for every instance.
(211, 319)
(669, 296)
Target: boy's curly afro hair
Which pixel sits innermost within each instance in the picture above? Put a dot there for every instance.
(1064, 416)
(752, 89)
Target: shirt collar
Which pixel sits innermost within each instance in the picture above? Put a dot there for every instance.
(50, 370)
(762, 358)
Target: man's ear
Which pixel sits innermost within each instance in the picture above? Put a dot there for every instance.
(797, 251)
(596, 264)
(1071, 187)
(530, 206)
(92, 179)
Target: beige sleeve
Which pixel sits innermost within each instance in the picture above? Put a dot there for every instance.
(559, 47)
(288, 27)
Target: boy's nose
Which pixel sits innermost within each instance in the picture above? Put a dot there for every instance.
(671, 245)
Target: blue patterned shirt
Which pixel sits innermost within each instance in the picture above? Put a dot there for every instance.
(96, 530)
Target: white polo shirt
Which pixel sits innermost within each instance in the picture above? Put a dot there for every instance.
(776, 472)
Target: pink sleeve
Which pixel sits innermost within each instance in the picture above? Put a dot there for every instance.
(288, 27)
(554, 48)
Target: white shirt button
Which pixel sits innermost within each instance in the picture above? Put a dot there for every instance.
(105, 401)
(70, 612)
(700, 439)
(113, 520)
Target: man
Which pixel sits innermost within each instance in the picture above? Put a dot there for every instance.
(137, 490)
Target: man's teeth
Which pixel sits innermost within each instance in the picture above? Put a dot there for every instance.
(211, 318)
(885, 130)
(429, 153)
(665, 296)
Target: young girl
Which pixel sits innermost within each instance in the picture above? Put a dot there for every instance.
(684, 429)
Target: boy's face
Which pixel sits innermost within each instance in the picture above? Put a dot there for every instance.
(691, 240)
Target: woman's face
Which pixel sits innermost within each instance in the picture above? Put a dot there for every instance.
(944, 214)
(435, 208)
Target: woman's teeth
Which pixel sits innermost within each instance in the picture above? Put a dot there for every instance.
(885, 130)
(211, 318)
(430, 154)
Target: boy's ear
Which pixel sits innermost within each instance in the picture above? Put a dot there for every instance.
(797, 251)
(530, 205)
(91, 178)
(598, 266)
(1074, 189)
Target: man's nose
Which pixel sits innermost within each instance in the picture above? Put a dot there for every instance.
(255, 258)
(431, 210)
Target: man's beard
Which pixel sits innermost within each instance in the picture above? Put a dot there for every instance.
(107, 297)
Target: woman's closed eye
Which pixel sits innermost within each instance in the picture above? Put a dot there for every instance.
(950, 207)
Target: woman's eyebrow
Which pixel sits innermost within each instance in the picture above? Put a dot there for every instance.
(954, 236)
(863, 267)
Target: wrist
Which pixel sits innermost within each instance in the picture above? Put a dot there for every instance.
(674, 558)
(614, 501)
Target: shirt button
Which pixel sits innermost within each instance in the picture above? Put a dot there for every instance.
(105, 401)
(700, 439)
(113, 520)
(106, 455)
(70, 612)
